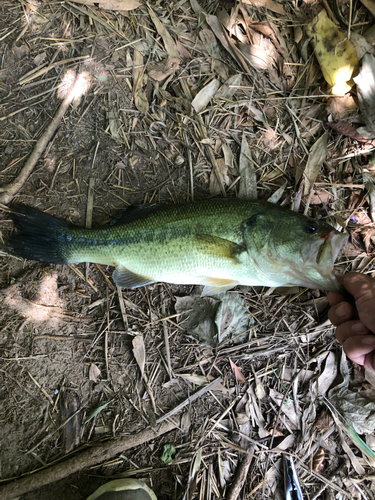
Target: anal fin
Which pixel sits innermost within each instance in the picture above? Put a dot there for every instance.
(127, 279)
(217, 285)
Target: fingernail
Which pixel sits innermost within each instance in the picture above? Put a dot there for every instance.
(368, 340)
(341, 311)
(359, 327)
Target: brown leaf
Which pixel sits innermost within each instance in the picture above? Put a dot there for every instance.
(227, 42)
(370, 5)
(248, 182)
(237, 372)
(94, 372)
(184, 53)
(341, 107)
(112, 4)
(169, 43)
(139, 352)
(164, 68)
(140, 101)
(268, 4)
(223, 172)
(204, 96)
(318, 460)
(315, 160)
(347, 129)
(320, 197)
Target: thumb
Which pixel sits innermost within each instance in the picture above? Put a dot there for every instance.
(362, 288)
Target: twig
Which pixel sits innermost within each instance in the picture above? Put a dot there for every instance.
(94, 455)
(189, 400)
(241, 475)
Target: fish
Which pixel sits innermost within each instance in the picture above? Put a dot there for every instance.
(217, 243)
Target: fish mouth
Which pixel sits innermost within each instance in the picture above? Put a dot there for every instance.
(319, 260)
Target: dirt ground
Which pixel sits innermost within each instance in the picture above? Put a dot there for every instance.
(67, 333)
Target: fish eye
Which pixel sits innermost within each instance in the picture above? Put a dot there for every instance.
(310, 227)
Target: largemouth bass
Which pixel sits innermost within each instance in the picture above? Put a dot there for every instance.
(218, 243)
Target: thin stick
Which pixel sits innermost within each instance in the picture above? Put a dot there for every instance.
(94, 455)
(198, 394)
(166, 342)
(11, 189)
(241, 476)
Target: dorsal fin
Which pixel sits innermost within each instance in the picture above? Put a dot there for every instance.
(130, 214)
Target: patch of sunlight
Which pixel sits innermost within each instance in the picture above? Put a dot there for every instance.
(74, 85)
(343, 75)
(46, 307)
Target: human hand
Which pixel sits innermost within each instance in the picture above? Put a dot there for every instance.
(355, 321)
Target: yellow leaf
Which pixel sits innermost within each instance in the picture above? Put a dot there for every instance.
(335, 53)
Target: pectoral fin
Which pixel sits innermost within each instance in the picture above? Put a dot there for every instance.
(218, 247)
(217, 285)
(127, 279)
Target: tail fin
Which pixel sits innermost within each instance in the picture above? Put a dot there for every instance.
(39, 236)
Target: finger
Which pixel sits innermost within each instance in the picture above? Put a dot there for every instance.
(350, 329)
(362, 288)
(341, 312)
(356, 348)
(358, 285)
(370, 360)
(334, 298)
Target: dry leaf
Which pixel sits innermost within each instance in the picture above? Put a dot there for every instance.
(366, 91)
(370, 5)
(268, 4)
(194, 379)
(227, 90)
(335, 53)
(184, 53)
(318, 460)
(112, 4)
(113, 123)
(165, 68)
(340, 107)
(223, 171)
(39, 58)
(248, 182)
(139, 352)
(228, 155)
(256, 56)
(169, 43)
(197, 317)
(232, 317)
(237, 372)
(347, 129)
(361, 45)
(227, 42)
(320, 197)
(326, 378)
(137, 70)
(94, 372)
(209, 43)
(316, 157)
(140, 101)
(269, 138)
(288, 408)
(276, 196)
(203, 97)
(192, 480)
